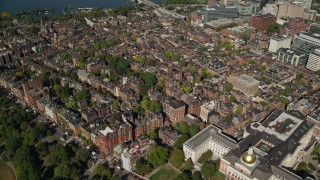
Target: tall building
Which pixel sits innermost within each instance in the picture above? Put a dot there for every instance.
(314, 61)
(290, 10)
(262, 22)
(244, 83)
(306, 42)
(270, 148)
(278, 41)
(291, 56)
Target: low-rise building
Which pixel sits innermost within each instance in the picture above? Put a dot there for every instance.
(262, 22)
(244, 83)
(168, 135)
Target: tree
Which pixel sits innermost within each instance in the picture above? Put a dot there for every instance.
(103, 171)
(185, 175)
(188, 165)
(273, 28)
(82, 156)
(193, 130)
(44, 76)
(182, 139)
(227, 87)
(65, 171)
(116, 104)
(152, 134)
(196, 176)
(154, 106)
(209, 168)
(205, 156)
(233, 98)
(318, 72)
(239, 109)
(228, 119)
(149, 79)
(71, 104)
(177, 158)
(182, 127)
(82, 95)
(142, 167)
(158, 156)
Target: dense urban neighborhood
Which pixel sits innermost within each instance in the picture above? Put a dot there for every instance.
(184, 90)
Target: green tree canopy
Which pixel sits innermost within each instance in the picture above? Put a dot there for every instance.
(182, 139)
(193, 129)
(103, 171)
(177, 157)
(149, 79)
(152, 134)
(158, 155)
(209, 168)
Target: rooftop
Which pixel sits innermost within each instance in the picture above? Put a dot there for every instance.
(210, 132)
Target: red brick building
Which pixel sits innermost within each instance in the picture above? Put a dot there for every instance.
(110, 137)
(33, 90)
(262, 22)
(149, 122)
(175, 110)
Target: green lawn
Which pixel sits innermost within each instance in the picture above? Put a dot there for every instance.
(316, 151)
(6, 173)
(218, 176)
(165, 174)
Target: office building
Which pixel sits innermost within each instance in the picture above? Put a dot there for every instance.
(210, 138)
(306, 42)
(218, 12)
(248, 9)
(244, 83)
(314, 61)
(279, 41)
(290, 10)
(291, 56)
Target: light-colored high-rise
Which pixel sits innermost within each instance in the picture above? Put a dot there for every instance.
(314, 61)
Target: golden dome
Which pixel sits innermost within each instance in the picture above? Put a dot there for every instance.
(249, 157)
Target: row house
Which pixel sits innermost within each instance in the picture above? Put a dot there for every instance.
(150, 121)
(69, 120)
(168, 135)
(123, 92)
(48, 107)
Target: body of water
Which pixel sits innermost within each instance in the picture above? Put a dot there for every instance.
(16, 6)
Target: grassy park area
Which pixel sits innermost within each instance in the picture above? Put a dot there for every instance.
(165, 173)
